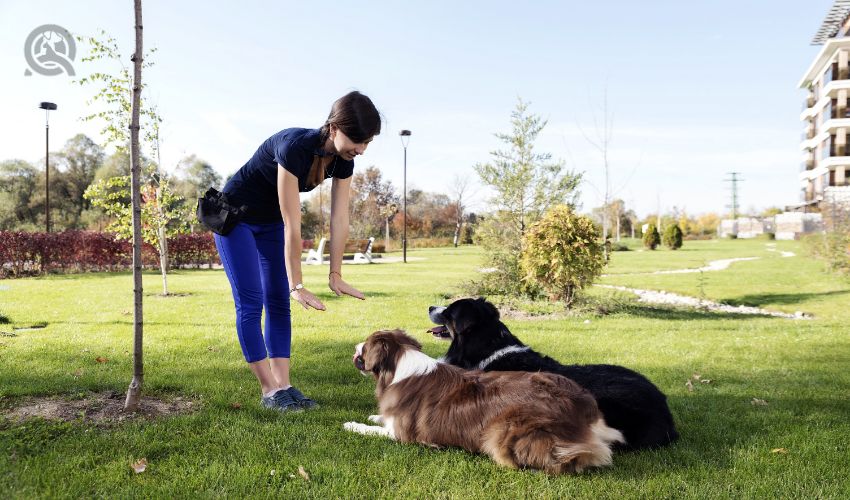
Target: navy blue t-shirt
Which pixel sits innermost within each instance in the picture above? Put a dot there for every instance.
(255, 184)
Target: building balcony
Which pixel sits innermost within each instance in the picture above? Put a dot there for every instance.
(827, 56)
(834, 160)
(828, 128)
(808, 163)
(828, 93)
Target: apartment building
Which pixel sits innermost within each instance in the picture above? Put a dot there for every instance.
(825, 169)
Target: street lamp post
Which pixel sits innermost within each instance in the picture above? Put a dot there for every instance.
(405, 139)
(47, 107)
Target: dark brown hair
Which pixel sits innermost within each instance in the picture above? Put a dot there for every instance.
(355, 116)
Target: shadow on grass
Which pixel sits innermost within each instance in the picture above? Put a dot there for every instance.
(758, 300)
(4, 320)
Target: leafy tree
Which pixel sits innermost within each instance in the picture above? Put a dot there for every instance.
(310, 223)
(706, 224)
(770, 212)
(460, 190)
(526, 183)
(118, 164)
(124, 115)
(562, 252)
(369, 194)
(194, 176)
(79, 161)
(18, 183)
(651, 239)
(673, 237)
(162, 212)
(115, 94)
(620, 219)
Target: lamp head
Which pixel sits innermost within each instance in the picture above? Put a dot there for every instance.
(47, 105)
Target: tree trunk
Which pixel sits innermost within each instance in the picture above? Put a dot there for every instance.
(135, 390)
(457, 233)
(387, 235)
(618, 227)
(163, 243)
(163, 259)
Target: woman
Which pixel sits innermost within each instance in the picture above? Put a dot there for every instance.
(262, 254)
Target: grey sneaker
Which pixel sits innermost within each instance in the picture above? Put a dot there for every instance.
(302, 400)
(281, 401)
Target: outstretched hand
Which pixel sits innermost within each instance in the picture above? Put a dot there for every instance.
(307, 299)
(340, 287)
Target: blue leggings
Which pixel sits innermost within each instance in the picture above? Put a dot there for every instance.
(252, 256)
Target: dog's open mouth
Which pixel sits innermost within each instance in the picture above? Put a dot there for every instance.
(359, 362)
(441, 332)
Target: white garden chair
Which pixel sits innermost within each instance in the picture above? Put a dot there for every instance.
(366, 255)
(317, 256)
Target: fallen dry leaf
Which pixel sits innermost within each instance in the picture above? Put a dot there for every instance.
(78, 373)
(758, 402)
(139, 465)
(781, 451)
(705, 381)
(689, 385)
(697, 376)
(212, 349)
(303, 473)
(236, 406)
(101, 359)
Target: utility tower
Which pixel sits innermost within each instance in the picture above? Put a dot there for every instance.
(734, 179)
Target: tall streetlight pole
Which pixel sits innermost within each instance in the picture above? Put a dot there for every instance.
(47, 107)
(405, 139)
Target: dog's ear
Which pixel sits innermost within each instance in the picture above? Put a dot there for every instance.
(461, 315)
(403, 339)
(486, 310)
(375, 353)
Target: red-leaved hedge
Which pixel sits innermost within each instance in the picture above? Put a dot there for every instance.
(31, 253)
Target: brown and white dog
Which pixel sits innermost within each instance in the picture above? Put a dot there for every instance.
(520, 419)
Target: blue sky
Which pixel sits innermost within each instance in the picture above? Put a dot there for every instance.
(696, 89)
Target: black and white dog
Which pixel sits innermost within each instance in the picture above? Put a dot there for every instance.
(629, 402)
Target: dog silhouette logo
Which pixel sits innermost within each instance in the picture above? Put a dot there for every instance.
(50, 50)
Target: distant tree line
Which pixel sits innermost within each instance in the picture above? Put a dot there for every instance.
(81, 163)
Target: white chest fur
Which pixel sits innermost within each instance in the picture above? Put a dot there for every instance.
(413, 363)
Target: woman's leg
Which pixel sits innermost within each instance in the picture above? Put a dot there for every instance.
(239, 257)
(278, 328)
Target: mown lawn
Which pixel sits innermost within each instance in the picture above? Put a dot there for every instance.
(728, 445)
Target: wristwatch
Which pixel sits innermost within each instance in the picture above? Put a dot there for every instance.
(299, 286)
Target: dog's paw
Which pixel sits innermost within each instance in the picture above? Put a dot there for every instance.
(376, 419)
(352, 426)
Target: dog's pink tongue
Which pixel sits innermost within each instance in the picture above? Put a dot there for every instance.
(439, 331)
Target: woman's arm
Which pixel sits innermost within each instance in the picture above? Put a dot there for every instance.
(290, 209)
(339, 235)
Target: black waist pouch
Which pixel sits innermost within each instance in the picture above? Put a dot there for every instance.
(216, 212)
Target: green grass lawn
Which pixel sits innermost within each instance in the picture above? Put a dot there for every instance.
(800, 368)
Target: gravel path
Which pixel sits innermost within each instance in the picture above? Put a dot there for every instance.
(714, 265)
(667, 298)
